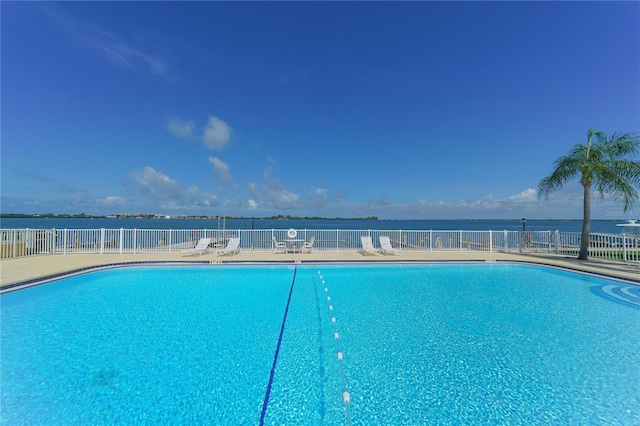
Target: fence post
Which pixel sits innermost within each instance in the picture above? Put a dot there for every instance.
(490, 241)
(14, 249)
(25, 241)
(624, 247)
(102, 232)
(121, 240)
(521, 241)
(64, 241)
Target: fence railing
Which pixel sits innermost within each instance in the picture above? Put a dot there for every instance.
(29, 242)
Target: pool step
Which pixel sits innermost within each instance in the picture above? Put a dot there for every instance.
(628, 295)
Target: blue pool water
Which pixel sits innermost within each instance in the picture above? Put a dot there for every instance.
(422, 344)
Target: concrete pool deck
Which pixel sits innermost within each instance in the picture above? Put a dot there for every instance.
(32, 269)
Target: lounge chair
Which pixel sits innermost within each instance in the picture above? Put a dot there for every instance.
(201, 248)
(233, 247)
(279, 246)
(367, 246)
(385, 246)
(307, 246)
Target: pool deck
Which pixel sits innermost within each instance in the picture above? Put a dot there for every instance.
(45, 267)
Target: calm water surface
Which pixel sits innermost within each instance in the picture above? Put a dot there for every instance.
(422, 344)
(604, 226)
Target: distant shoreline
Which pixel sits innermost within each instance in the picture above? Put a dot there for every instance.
(564, 225)
(277, 217)
(156, 216)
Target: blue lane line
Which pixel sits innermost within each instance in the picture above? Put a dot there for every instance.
(275, 356)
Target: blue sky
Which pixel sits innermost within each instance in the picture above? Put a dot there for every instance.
(401, 110)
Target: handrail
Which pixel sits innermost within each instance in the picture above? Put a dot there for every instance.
(30, 242)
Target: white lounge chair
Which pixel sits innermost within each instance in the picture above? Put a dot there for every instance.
(233, 247)
(367, 246)
(386, 247)
(200, 248)
(279, 246)
(307, 246)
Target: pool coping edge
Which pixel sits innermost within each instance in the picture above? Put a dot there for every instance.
(48, 278)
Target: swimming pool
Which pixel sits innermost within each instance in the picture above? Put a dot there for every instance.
(422, 344)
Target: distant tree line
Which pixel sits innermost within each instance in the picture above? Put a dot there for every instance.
(281, 216)
(87, 216)
(49, 216)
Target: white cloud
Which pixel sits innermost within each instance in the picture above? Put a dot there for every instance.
(222, 171)
(566, 203)
(317, 195)
(273, 196)
(217, 133)
(266, 174)
(270, 197)
(181, 128)
(79, 196)
(527, 196)
(252, 204)
(156, 184)
(319, 198)
(111, 46)
(112, 201)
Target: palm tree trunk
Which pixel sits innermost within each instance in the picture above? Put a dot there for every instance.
(586, 223)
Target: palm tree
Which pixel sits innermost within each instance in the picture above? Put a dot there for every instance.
(603, 164)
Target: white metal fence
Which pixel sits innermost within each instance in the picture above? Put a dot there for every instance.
(29, 242)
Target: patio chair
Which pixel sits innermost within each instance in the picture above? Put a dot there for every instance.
(233, 247)
(367, 246)
(385, 245)
(200, 248)
(279, 246)
(307, 246)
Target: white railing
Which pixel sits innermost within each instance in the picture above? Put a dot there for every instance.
(28, 242)
(624, 247)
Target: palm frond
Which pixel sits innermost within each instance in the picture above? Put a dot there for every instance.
(619, 178)
(566, 168)
(602, 164)
(620, 145)
(578, 152)
(628, 170)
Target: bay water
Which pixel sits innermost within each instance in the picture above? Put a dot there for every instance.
(569, 225)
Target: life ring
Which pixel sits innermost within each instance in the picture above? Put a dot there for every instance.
(292, 233)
